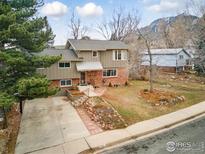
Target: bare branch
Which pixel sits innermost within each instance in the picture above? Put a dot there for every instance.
(76, 28)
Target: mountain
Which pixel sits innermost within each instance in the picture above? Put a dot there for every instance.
(171, 31)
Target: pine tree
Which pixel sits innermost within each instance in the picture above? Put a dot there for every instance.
(22, 35)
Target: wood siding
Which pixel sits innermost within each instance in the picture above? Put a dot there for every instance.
(106, 58)
(55, 73)
(87, 56)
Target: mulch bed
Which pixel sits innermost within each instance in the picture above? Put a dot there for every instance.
(158, 97)
(103, 114)
(9, 135)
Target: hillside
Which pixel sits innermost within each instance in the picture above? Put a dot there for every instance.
(171, 31)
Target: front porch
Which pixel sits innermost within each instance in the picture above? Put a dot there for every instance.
(90, 73)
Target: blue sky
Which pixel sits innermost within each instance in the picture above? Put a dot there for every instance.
(93, 12)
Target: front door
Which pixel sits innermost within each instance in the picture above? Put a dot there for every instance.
(82, 78)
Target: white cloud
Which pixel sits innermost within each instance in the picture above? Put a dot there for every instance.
(54, 9)
(89, 9)
(167, 6)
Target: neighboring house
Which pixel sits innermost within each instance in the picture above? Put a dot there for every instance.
(96, 62)
(170, 60)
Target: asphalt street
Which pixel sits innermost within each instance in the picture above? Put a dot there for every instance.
(185, 139)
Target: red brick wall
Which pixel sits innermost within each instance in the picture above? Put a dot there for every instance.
(94, 78)
(56, 83)
(122, 77)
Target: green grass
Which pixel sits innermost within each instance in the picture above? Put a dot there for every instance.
(133, 108)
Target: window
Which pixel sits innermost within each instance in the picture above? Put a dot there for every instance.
(95, 53)
(110, 73)
(120, 55)
(65, 83)
(64, 65)
(181, 57)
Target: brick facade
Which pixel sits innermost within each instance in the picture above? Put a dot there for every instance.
(75, 82)
(96, 78)
(121, 79)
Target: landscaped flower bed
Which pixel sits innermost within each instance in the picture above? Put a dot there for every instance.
(103, 114)
(158, 97)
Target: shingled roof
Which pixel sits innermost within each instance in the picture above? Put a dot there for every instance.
(65, 53)
(173, 51)
(84, 45)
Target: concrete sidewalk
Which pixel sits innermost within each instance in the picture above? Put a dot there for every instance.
(109, 138)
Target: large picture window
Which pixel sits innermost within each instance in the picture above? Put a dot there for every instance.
(109, 73)
(64, 64)
(65, 83)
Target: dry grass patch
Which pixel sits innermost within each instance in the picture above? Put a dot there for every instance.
(134, 108)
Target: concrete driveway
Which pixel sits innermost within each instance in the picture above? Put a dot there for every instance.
(50, 125)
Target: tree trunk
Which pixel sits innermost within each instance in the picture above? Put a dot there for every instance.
(21, 106)
(5, 119)
(150, 67)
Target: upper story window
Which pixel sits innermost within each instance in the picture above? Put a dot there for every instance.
(64, 65)
(181, 57)
(119, 55)
(95, 53)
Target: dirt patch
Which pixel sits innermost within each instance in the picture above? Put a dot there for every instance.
(103, 114)
(158, 97)
(8, 136)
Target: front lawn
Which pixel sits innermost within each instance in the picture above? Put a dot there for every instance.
(133, 108)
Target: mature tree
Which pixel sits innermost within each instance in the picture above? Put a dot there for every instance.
(120, 26)
(200, 47)
(76, 28)
(198, 7)
(147, 43)
(22, 35)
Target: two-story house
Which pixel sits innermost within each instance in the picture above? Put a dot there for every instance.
(95, 62)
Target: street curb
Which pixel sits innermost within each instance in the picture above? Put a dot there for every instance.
(132, 134)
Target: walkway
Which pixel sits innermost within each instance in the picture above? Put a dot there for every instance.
(91, 125)
(92, 92)
(50, 122)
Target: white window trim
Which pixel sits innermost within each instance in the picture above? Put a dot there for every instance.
(64, 67)
(95, 56)
(110, 76)
(66, 85)
(122, 55)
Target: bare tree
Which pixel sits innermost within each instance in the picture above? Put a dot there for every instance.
(148, 48)
(120, 26)
(76, 28)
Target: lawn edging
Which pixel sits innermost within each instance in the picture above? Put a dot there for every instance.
(109, 138)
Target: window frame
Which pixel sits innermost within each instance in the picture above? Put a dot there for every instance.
(181, 57)
(96, 54)
(111, 69)
(64, 65)
(120, 53)
(65, 82)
